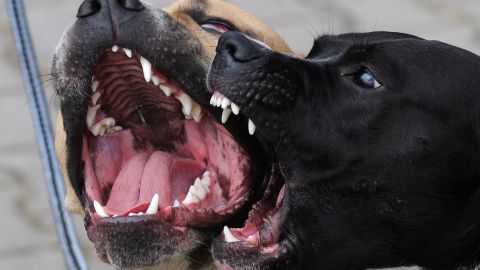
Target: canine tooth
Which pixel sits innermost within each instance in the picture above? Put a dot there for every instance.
(187, 104)
(147, 69)
(156, 80)
(115, 48)
(197, 112)
(95, 98)
(229, 238)
(91, 113)
(251, 127)
(99, 209)
(212, 100)
(95, 85)
(176, 204)
(225, 103)
(226, 113)
(153, 207)
(128, 52)
(140, 214)
(166, 90)
(235, 108)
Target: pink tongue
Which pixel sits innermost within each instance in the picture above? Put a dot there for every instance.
(145, 175)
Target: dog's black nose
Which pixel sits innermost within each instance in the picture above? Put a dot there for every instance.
(240, 47)
(91, 7)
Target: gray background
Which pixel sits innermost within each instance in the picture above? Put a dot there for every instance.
(27, 236)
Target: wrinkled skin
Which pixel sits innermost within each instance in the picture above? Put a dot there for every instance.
(173, 40)
(376, 176)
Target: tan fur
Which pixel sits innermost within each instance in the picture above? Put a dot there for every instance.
(216, 8)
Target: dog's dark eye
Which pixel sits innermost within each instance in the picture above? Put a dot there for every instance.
(216, 26)
(366, 79)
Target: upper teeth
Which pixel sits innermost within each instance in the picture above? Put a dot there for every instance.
(227, 106)
(147, 69)
(128, 52)
(251, 127)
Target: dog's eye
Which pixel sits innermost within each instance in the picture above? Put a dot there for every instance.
(216, 26)
(366, 79)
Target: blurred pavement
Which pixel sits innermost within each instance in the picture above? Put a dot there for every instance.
(27, 235)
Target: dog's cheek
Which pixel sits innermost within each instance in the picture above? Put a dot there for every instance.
(71, 200)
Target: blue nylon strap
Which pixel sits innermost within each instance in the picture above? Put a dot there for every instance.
(43, 128)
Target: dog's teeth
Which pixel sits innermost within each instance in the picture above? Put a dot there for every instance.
(153, 207)
(225, 103)
(235, 108)
(132, 214)
(197, 112)
(187, 104)
(147, 69)
(95, 98)
(206, 180)
(229, 238)
(91, 114)
(100, 128)
(95, 85)
(176, 204)
(200, 191)
(219, 102)
(156, 80)
(115, 48)
(166, 90)
(99, 209)
(114, 129)
(190, 199)
(212, 100)
(251, 127)
(128, 52)
(226, 113)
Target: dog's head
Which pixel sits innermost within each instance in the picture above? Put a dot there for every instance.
(377, 135)
(144, 158)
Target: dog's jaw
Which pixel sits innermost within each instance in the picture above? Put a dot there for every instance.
(73, 66)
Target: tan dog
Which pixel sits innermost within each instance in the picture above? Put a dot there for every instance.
(140, 152)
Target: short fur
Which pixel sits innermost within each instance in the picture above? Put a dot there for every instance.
(375, 177)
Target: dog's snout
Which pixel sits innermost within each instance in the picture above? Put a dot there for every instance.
(240, 47)
(92, 7)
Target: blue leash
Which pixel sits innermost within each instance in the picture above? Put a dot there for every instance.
(43, 129)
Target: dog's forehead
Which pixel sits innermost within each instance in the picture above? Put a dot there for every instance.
(328, 46)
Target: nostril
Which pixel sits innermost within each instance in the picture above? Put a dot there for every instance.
(231, 49)
(88, 8)
(133, 5)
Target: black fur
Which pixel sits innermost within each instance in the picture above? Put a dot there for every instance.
(374, 177)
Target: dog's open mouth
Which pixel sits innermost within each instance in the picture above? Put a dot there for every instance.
(152, 150)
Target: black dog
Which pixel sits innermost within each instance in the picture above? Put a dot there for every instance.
(377, 138)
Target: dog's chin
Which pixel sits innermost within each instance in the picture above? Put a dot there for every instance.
(262, 242)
